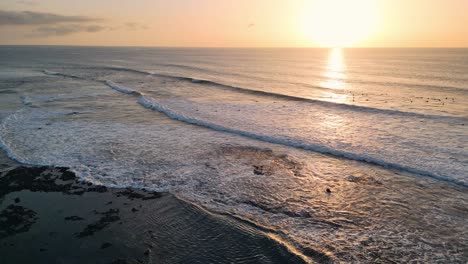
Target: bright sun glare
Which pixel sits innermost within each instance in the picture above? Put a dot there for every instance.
(339, 23)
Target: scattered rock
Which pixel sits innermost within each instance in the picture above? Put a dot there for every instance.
(352, 178)
(112, 215)
(98, 188)
(120, 261)
(132, 194)
(17, 200)
(16, 219)
(363, 180)
(73, 218)
(258, 170)
(134, 210)
(105, 245)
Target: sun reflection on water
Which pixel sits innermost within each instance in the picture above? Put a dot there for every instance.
(335, 76)
(335, 73)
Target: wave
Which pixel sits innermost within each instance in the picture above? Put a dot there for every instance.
(126, 70)
(152, 104)
(119, 87)
(80, 171)
(351, 81)
(346, 80)
(7, 91)
(51, 72)
(60, 74)
(414, 85)
(5, 146)
(364, 109)
(26, 100)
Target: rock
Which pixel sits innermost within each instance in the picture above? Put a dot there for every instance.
(105, 245)
(258, 170)
(16, 219)
(73, 218)
(108, 217)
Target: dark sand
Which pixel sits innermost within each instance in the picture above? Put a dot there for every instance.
(48, 216)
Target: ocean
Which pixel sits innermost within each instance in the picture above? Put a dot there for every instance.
(360, 154)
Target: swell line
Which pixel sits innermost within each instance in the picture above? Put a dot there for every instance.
(61, 74)
(347, 80)
(350, 81)
(151, 103)
(364, 109)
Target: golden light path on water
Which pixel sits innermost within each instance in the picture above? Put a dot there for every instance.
(334, 77)
(335, 70)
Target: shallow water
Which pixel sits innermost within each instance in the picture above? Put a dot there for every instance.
(261, 134)
(46, 216)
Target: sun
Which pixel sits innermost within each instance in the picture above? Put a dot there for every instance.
(339, 23)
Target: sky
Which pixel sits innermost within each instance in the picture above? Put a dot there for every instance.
(235, 23)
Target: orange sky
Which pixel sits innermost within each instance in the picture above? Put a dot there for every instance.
(240, 23)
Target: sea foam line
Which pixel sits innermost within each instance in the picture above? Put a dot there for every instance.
(60, 74)
(80, 171)
(119, 87)
(6, 147)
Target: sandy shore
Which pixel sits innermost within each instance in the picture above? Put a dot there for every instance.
(48, 216)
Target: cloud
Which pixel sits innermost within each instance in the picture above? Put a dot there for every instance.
(29, 3)
(62, 30)
(38, 18)
(135, 26)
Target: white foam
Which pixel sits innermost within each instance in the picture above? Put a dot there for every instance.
(155, 105)
(119, 88)
(51, 72)
(26, 100)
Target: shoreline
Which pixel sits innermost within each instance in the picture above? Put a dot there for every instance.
(48, 215)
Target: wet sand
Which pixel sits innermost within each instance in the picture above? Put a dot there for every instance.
(48, 216)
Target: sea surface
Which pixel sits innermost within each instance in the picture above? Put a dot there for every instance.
(359, 154)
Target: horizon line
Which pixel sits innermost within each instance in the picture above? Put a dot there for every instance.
(237, 47)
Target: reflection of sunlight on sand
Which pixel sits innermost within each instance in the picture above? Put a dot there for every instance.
(335, 72)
